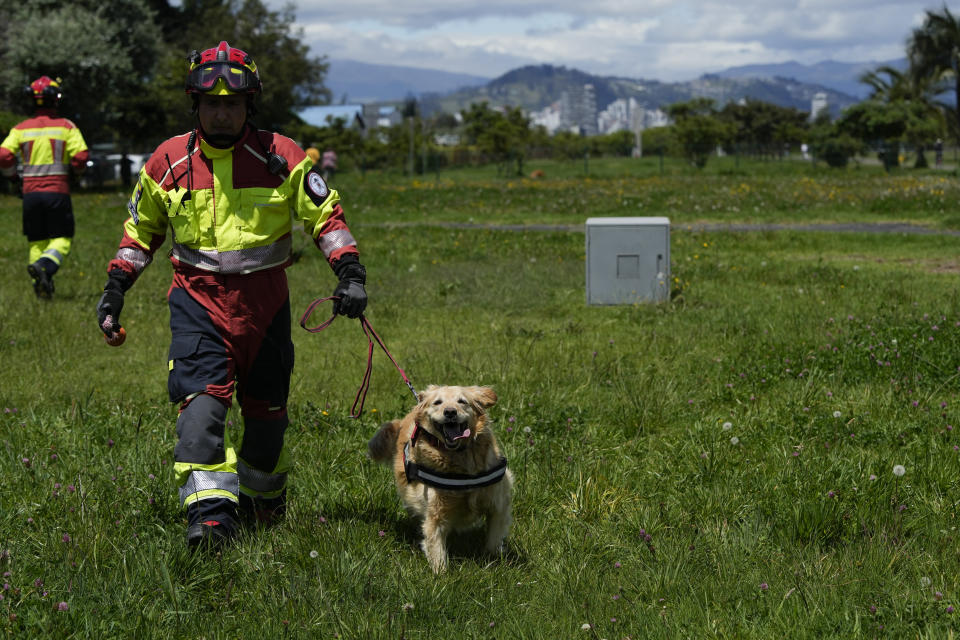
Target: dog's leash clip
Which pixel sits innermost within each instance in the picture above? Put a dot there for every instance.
(372, 336)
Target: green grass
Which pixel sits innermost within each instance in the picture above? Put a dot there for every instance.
(832, 356)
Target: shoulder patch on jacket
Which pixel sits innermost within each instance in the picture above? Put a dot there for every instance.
(135, 202)
(315, 187)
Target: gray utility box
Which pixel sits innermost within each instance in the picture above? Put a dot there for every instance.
(628, 260)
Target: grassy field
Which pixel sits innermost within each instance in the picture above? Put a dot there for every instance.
(725, 465)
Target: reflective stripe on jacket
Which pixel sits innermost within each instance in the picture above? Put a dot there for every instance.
(226, 212)
(47, 146)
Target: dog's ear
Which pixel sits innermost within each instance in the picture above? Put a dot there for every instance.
(483, 396)
(423, 392)
(422, 396)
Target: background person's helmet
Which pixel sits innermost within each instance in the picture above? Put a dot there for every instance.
(222, 71)
(44, 92)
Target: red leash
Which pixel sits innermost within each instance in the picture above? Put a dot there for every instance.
(371, 337)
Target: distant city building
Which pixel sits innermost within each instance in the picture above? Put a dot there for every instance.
(382, 115)
(620, 115)
(588, 113)
(446, 139)
(548, 117)
(578, 110)
(818, 104)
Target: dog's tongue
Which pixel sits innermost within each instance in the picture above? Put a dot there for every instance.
(453, 431)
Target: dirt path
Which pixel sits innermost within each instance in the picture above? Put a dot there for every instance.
(839, 227)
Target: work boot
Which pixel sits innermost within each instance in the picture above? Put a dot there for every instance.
(263, 512)
(209, 535)
(210, 526)
(42, 282)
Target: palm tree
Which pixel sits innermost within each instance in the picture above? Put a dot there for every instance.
(912, 95)
(933, 50)
(897, 85)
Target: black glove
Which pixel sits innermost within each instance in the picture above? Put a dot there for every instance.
(17, 185)
(111, 302)
(352, 296)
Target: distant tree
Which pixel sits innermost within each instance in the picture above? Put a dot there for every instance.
(503, 135)
(831, 145)
(886, 125)
(909, 100)
(123, 62)
(444, 121)
(764, 128)
(698, 128)
(661, 140)
(569, 145)
(410, 107)
(104, 50)
(933, 51)
(618, 143)
(339, 135)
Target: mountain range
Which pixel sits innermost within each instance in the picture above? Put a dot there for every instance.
(359, 82)
(789, 84)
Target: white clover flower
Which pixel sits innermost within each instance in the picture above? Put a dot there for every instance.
(925, 581)
(585, 626)
(837, 414)
(727, 426)
(314, 554)
(899, 470)
(734, 440)
(526, 429)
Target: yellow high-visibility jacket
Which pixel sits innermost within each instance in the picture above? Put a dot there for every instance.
(48, 147)
(227, 212)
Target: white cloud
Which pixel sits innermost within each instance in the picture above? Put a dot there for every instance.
(655, 39)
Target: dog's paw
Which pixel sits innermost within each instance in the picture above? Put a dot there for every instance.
(436, 556)
(495, 548)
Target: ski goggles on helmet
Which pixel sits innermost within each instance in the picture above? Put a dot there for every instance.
(236, 78)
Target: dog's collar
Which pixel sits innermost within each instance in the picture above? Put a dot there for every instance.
(449, 481)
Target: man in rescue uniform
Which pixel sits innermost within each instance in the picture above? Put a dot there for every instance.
(226, 191)
(48, 146)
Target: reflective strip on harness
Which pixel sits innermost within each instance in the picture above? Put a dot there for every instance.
(451, 481)
(201, 484)
(237, 261)
(260, 482)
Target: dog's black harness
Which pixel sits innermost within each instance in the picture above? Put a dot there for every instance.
(449, 481)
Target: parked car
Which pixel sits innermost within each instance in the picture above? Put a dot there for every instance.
(99, 171)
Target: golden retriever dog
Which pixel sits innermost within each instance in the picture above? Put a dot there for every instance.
(448, 467)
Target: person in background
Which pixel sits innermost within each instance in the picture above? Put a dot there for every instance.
(50, 147)
(225, 190)
(328, 164)
(126, 170)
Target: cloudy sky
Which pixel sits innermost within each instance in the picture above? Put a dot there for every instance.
(668, 40)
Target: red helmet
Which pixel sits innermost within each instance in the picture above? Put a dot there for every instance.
(222, 71)
(45, 92)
